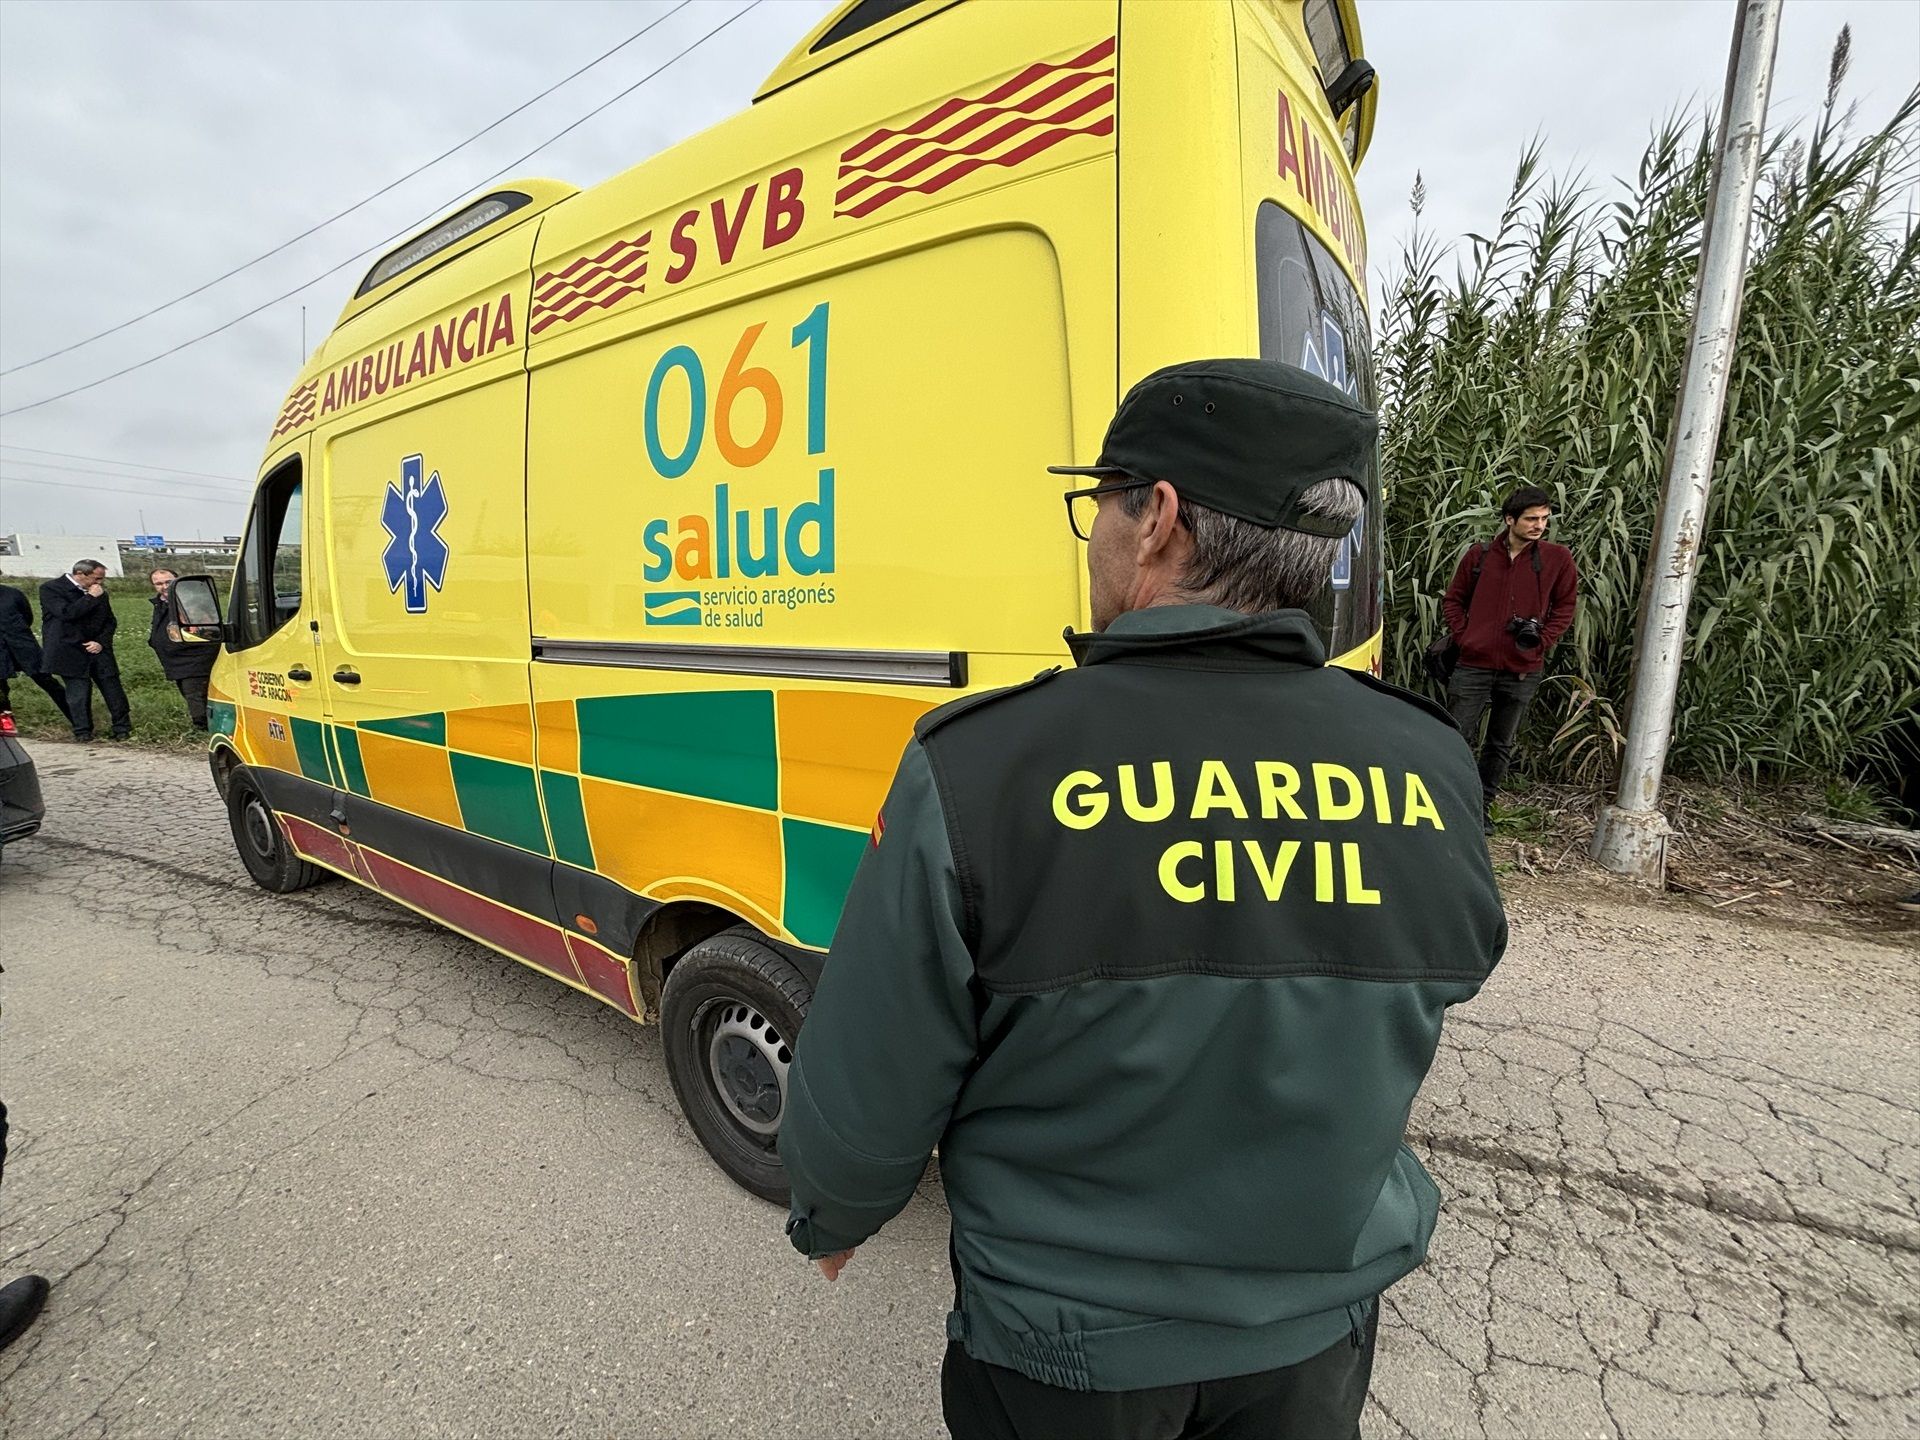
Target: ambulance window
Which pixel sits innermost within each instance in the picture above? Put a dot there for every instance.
(1328, 37)
(266, 581)
(863, 16)
(1311, 316)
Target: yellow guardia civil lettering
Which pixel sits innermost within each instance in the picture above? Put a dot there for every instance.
(1082, 800)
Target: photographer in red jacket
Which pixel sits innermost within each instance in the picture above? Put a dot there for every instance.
(1511, 598)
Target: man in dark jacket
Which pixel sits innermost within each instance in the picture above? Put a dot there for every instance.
(20, 652)
(1511, 600)
(77, 625)
(1157, 950)
(185, 662)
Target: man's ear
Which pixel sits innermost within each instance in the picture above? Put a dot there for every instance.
(1162, 522)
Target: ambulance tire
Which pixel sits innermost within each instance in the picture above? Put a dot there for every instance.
(729, 1015)
(262, 845)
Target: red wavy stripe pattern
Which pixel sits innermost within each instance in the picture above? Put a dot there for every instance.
(1044, 141)
(299, 408)
(1100, 99)
(942, 112)
(1040, 98)
(945, 144)
(590, 282)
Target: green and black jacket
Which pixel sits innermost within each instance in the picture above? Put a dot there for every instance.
(1156, 951)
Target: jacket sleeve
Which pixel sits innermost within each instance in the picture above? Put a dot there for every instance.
(1561, 602)
(105, 637)
(1453, 605)
(157, 628)
(59, 603)
(891, 1035)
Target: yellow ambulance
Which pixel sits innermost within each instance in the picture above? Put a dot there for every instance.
(605, 554)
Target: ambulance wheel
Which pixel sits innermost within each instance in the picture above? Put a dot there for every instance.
(263, 847)
(729, 1016)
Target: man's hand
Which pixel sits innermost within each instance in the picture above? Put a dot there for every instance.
(832, 1265)
(96, 589)
(92, 647)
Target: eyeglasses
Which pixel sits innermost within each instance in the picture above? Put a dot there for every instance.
(1084, 505)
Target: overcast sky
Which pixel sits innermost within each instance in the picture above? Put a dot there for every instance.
(146, 148)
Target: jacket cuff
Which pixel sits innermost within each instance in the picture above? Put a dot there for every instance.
(811, 1240)
(840, 1196)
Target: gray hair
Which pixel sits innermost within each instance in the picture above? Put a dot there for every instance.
(1242, 566)
(86, 567)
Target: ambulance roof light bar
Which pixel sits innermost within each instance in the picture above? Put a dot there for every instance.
(450, 231)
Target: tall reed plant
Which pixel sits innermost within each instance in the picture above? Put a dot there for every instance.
(1552, 357)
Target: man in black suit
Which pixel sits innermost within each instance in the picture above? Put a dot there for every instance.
(20, 652)
(77, 623)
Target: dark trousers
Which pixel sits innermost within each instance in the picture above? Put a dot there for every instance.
(56, 692)
(194, 689)
(1503, 698)
(104, 672)
(1318, 1399)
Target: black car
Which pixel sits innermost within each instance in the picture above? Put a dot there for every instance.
(21, 808)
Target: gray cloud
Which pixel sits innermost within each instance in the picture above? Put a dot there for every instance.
(145, 148)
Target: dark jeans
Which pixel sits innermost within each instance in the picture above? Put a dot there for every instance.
(1318, 1399)
(56, 692)
(1503, 698)
(194, 688)
(103, 671)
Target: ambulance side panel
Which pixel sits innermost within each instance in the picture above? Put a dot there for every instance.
(787, 449)
(1265, 232)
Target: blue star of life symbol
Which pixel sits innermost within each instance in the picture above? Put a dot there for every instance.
(416, 556)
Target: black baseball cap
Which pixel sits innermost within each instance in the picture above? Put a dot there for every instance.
(1245, 437)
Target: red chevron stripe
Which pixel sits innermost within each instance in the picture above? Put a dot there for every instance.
(1086, 104)
(940, 113)
(1033, 147)
(1040, 98)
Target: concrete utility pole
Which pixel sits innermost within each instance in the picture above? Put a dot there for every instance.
(1631, 838)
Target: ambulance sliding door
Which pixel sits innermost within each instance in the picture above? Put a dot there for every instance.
(425, 651)
(766, 536)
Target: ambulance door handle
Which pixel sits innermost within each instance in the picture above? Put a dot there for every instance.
(347, 676)
(300, 673)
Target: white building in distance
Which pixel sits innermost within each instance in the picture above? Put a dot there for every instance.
(45, 556)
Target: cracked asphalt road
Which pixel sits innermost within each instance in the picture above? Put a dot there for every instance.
(311, 1165)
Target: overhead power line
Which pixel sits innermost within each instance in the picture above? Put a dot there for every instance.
(115, 475)
(122, 464)
(382, 245)
(357, 205)
(236, 499)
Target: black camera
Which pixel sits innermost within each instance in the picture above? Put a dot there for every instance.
(1525, 631)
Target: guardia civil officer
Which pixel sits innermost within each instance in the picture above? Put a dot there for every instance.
(1157, 950)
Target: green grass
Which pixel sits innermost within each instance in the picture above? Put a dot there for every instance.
(159, 712)
(1519, 822)
(1848, 801)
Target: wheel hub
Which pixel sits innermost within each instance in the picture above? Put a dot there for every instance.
(259, 827)
(749, 1060)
